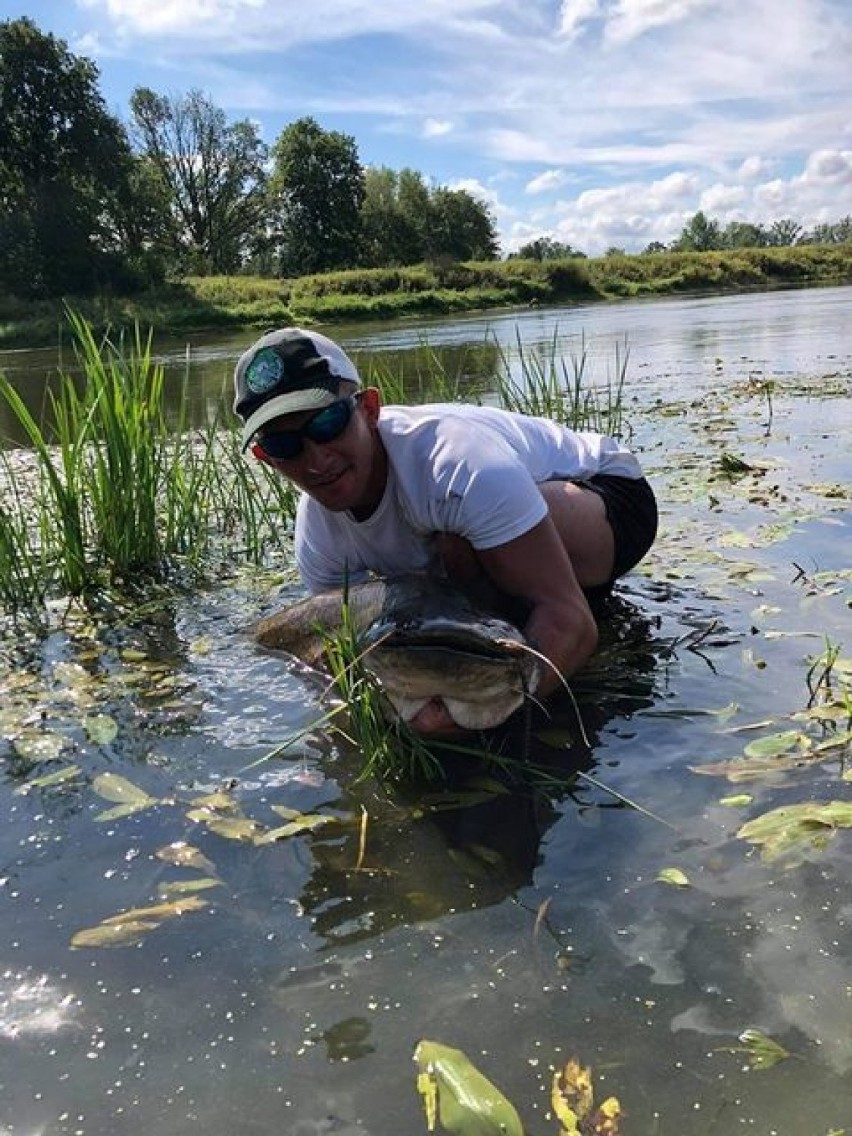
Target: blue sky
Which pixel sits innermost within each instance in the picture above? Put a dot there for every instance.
(597, 122)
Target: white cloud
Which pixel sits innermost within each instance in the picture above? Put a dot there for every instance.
(436, 127)
(633, 18)
(720, 201)
(544, 183)
(753, 168)
(573, 14)
(829, 166)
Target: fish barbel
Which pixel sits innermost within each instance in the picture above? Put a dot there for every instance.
(421, 638)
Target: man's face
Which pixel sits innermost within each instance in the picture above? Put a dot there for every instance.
(343, 473)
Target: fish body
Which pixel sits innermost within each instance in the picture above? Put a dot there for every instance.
(421, 638)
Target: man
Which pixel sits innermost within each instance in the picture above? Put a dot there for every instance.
(542, 514)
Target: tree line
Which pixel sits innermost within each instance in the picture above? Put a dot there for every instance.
(90, 204)
(704, 234)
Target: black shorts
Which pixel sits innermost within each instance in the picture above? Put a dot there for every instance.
(631, 510)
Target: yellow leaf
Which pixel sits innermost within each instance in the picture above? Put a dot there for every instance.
(427, 1086)
(184, 855)
(674, 876)
(572, 1094)
(186, 887)
(114, 934)
(58, 777)
(118, 789)
(159, 911)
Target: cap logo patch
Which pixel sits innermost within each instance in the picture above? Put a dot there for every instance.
(264, 371)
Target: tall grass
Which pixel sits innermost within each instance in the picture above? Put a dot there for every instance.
(113, 492)
(553, 384)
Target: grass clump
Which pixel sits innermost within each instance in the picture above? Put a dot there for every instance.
(117, 490)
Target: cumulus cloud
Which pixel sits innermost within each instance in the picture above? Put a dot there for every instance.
(616, 129)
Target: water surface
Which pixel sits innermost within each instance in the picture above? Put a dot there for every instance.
(525, 929)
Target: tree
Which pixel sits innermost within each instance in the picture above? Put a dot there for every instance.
(460, 227)
(318, 189)
(64, 164)
(212, 174)
(744, 234)
(785, 232)
(546, 248)
(699, 234)
(394, 217)
(838, 233)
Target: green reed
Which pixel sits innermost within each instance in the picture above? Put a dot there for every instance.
(116, 490)
(389, 749)
(553, 384)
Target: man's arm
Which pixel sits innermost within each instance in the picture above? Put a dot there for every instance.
(536, 568)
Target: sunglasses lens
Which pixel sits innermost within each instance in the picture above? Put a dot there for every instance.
(326, 425)
(283, 445)
(329, 423)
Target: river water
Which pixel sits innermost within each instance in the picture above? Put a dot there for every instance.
(524, 929)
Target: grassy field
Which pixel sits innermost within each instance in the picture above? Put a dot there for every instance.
(204, 303)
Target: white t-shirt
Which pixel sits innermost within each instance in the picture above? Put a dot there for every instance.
(452, 468)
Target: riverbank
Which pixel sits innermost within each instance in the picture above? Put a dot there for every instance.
(207, 303)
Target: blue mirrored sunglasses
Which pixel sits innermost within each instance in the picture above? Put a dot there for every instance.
(322, 427)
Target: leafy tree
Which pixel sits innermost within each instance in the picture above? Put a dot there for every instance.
(460, 227)
(654, 246)
(546, 248)
(394, 217)
(318, 189)
(785, 232)
(744, 234)
(211, 173)
(64, 164)
(699, 234)
(838, 233)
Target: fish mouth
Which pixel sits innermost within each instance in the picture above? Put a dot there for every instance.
(480, 680)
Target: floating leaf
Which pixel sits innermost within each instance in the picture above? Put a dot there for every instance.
(304, 823)
(747, 769)
(39, 745)
(112, 787)
(783, 828)
(47, 780)
(736, 801)
(187, 887)
(128, 928)
(462, 1098)
(572, 1100)
(119, 811)
(114, 934)
(160, 910)
(674, 876)
(774, 745)
(762, 1051)
(100, 728)
(129, 798)
(232, 828)
(184, 855)
(571, 1095)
